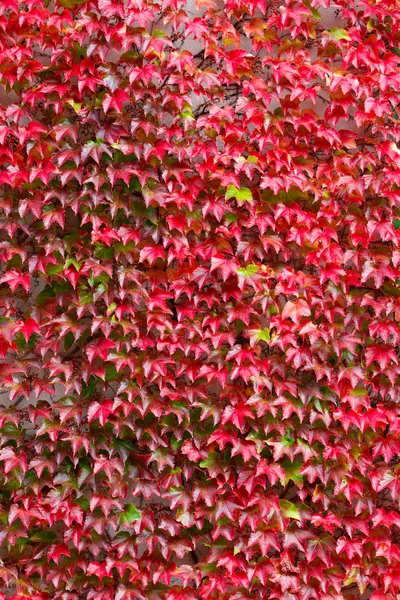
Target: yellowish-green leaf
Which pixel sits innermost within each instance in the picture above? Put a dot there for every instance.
(242, 194)
(75, 105)
(248, 271)
(264, 335)
(340, 34)
(312, 10)
(289, 510)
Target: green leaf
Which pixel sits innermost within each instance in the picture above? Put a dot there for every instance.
(313, 11)
(20, 341)
(52, 269)
(289, 510)
(370, 25)
(287, 439)
(248, 271)
(396, 223)
(292, 471)
(340, 34)
(187, 111)
(15, 262)
(111, 372)
(21, 543)
(359, 392)
(10, 430)
(130, 514)
(207, 528)
(208, 568)
(68, 340)
(87, 390)
(159, 33)
(83, 503)
(352, 576)
(72, 261)
(103, 252)
(75, 105)
(211, 460)
(242, 195)
(44, 295)
(43, 536)
(264, 335)
(230, 217)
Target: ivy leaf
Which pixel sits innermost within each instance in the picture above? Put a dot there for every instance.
(289, 510)
(242, 194)
(15, 278)
(292, 471)
(130, 514)
(28, 327)
(340, 34)
(313, 10)
(248, 271)
(296, 310)
(43, 536)
(260, 335)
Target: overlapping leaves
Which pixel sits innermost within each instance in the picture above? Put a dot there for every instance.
(199, 299)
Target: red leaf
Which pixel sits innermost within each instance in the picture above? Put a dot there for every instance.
(296, 310)
(151, 254)
(382, 354)
(115, 100)
(28, 327)
(100, 411)
(99, 348)
(15, 278)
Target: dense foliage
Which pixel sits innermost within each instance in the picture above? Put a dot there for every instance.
(200, 299)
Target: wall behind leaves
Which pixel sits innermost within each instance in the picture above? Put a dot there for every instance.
(199, 299)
